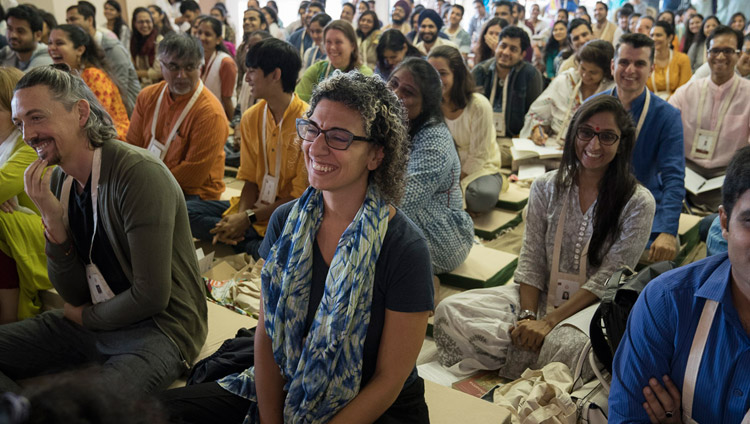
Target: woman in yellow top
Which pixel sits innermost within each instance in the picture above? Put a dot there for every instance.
(671, 67)
(23, 263)
(71, 45)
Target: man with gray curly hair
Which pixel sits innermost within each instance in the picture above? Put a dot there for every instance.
(119, 250)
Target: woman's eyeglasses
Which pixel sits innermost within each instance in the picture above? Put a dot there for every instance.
(605, 137)
(336, 138)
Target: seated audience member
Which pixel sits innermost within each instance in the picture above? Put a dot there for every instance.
(301, 39)
(368, 34)
(83, 15)
(715, 113)
(671, 68)
(548, 118)
(270, 179)
(603, 29)
(115, 22)
(658, 157)
(511, 85)
(433, 197)
(49, 23)
(190, 143)
(538, 26)
(469, 118)
(691, 31)
(355, 149)
(295, 25)
(455, 33)
(477, 21)
(252, 20)
(347, 13)
(25, 49)
(579, 33)
(190, 11)
(219, 71)
(134, 298)
(623, 18)
(585, 220)
(161, 20)
(272, 18)
(697, 51)
(399, 17)
(488, 40)
(343, 55)
(562, 15)
(429, 28)
(681, 357)
(317, 52)
(645, 23)
(412, 35)
(219, 11)
(72, 46)
(245, 98)
(393, 48)
(143, 45)
(738, 22)
(548, 54)
(742, 68)
(23, 264)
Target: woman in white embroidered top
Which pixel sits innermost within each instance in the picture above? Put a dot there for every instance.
(584, 221)
(219, 69)
(468, 115)
(549, 116)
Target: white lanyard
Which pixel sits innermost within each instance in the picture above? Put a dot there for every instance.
(505, 98)
(65, 195)
(653, 79)
(644, 112)
(302, 43)
(208, 66)
(181, 118)
(722, 109)
(328, 69)
(277, 170)
(576, 95)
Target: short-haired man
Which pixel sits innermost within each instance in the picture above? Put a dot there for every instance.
(623, 19)
(603, 28)
(683, 357)
(633, 22)
(400, 17)
(477, 21)
(455, 33)
(742, 69)
(300, 39)
(268, 127)
(119, 249)
(658, 158)
(579, 33)
(181, 122)
(429, 29)
(83, 15)
(715, 113)
(189, 11)
(503, 9)
(645, 23)
(511, 85)
(562, 15)
(25, 49)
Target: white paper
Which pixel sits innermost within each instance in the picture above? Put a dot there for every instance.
(529, 172)
(582, 319)
(525, 145)
(433, 371)
(696, 184)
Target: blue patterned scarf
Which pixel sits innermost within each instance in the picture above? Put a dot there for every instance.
(323, 371)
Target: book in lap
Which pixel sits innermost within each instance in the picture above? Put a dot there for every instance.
(696, 184)
(524, 148)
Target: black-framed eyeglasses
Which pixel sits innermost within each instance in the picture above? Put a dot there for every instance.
(727, 51)
(605, 137)
(336, 138)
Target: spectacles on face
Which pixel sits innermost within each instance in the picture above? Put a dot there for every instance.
(173, 67)
(727, 51)
(336, 138)
(606, 138)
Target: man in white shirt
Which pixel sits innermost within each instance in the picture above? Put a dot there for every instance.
(603, 29)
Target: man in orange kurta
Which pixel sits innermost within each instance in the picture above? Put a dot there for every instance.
(192, 149)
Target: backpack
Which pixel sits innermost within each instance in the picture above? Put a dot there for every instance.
(611, 317)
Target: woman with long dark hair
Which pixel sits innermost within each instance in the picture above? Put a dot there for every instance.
(161, 20)
(697, 51)
(143, 47)
(219, 69)
(584, 221)
(368, 33)
(317, 51)
(73, 46)
(691, 31)
(433, 197)
(219, 11)
(272, 19)
(671, 68)
(557, 41)
(488, 39)
(392, 49)
(115, 23)
(468, 115)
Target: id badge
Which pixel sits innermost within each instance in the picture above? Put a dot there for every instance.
(98, 287)
(268, 192)
(565, 290)
(499, 120)
(156, 148)
(704, 144)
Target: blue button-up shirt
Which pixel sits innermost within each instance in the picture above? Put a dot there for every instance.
(659, 336)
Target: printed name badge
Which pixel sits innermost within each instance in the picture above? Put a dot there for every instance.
(98, 287)
(268, 192)
(499, 120)
(704, 144)
(565, 290)
(156, 148)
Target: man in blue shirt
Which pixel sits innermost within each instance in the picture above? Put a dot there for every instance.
(701, 310)
(658, 157)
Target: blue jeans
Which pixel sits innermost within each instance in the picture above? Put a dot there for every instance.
(205, 214)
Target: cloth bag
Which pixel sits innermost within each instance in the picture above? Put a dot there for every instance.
(242, 291)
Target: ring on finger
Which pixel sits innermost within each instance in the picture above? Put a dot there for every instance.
(669, 414)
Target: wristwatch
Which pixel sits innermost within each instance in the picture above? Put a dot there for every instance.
(251, 216)
(526, 314)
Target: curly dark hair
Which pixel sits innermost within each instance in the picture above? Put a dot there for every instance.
(384, 121)
(430, 89)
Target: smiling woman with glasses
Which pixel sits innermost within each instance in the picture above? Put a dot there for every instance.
(585, 220)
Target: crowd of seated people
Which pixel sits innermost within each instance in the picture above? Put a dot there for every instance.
(363, 135)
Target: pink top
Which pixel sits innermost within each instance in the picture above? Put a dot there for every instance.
(735, 130)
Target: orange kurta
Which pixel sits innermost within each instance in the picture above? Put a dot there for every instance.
(679, 74)
(108, 95)
(196, 155)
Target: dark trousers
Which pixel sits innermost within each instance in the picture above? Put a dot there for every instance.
(205, 214)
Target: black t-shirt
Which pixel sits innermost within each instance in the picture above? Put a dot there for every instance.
(81, 221)
(403, 279)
